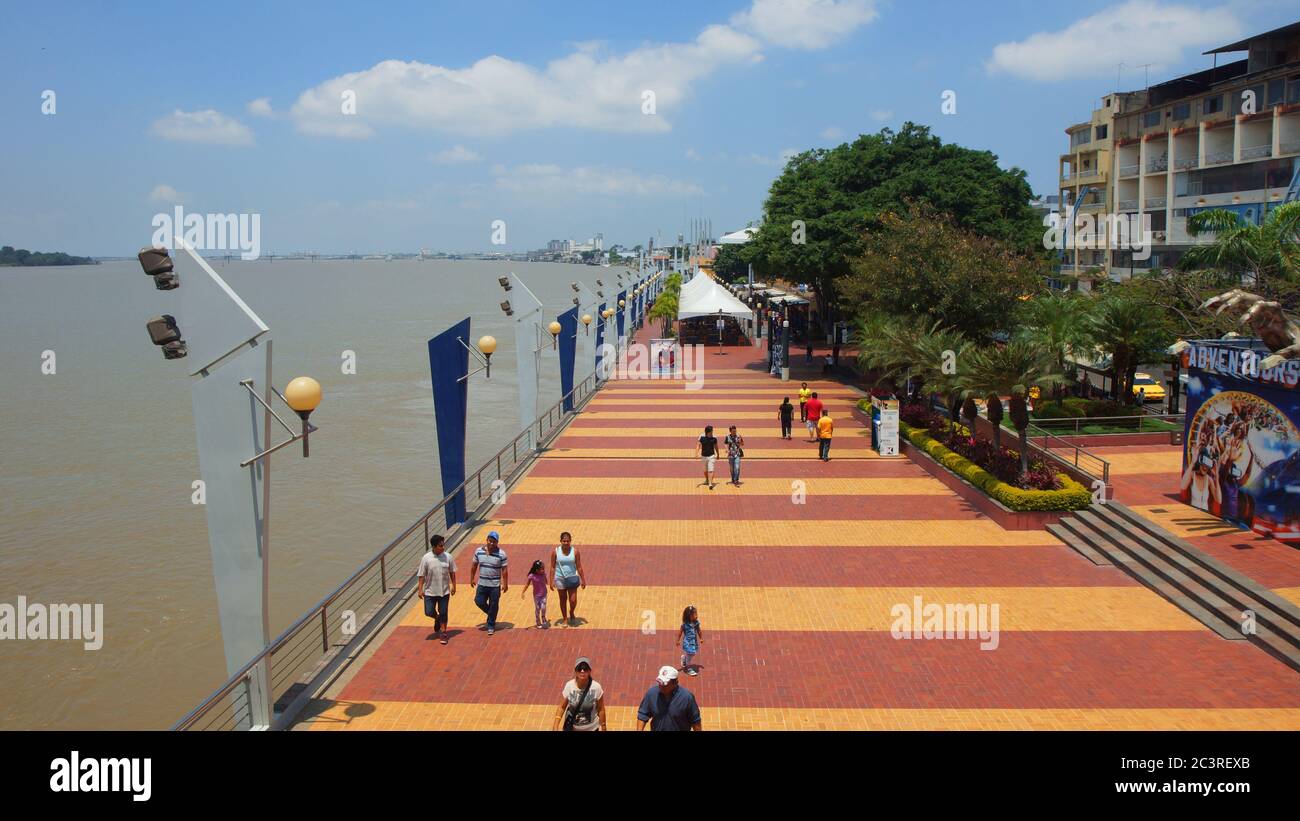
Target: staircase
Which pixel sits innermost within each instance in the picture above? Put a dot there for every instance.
(1205, 588)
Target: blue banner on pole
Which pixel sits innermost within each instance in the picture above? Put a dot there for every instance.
(600, 337)
(622, 315)
(568, 343)
(448, 365)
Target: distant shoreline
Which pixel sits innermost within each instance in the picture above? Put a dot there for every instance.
(22, 258)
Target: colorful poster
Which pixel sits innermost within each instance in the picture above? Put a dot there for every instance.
(1241, 459)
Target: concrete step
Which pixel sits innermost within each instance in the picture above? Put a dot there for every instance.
(1080, 546)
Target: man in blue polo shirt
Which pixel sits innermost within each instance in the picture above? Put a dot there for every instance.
(669, 706)
(493, 579)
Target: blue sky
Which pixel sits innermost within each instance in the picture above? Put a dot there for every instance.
(531, 113)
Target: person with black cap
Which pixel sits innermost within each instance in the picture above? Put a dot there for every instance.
(668, 706)
(582, 701)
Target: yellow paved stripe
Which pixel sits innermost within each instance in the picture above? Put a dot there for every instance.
(1184, 520)
(701, 399)
(832, 609)
(1124, 464)
(763, 533)
(691, 432)
(1291, 594)
(837, 411)
(567, 485)
(709, 387)
(411, 715)
(561, 452)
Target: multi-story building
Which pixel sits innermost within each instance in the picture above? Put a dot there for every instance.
(1227, 137)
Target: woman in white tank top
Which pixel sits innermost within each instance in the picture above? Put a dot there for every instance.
(567, 577)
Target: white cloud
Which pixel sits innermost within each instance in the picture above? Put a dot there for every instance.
(261, 107)
(164, 193)
(1138, 31)
(692, 154)
(497, 96)
(881, 115)
(805, 24)
(551, 179)
(207, 126)
(456, 155)
(832, 133)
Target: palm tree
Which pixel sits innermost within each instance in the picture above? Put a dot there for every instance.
(928, 353)
(1130, 333)
(665, 310)
(1260, 253)
(1057, 323)
(1010, 370)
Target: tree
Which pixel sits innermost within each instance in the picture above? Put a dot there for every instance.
(1010, 370)
(1259, 254)
(817, 209)
(1057, 323)
(730, 264)
(923, 263)
(1130, 333)
(923, 350)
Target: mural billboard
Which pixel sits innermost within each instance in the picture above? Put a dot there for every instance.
(1241, 456)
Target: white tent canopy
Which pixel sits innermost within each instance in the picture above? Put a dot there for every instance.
(712, 300)
(738, 237)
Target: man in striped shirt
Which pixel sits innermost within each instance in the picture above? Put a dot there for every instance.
(493, 579)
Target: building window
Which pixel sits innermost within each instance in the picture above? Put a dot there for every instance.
(1150, 119)
(1293, 90)
(1212, 105)
(1276, 91)
(1081, 137)
(1182, 111)
(1101, 131)
(1239, 99)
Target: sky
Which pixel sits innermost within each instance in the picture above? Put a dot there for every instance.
(395, 126)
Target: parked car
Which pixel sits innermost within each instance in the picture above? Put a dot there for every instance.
(1145, 386)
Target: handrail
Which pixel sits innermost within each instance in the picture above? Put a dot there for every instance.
(577, 396)
(1136, 421)
(1046, 447)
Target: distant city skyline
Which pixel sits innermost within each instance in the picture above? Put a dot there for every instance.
(450, 127)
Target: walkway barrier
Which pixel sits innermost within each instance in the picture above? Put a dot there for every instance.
(303, 653)
(1141, 423)
(1067, 453)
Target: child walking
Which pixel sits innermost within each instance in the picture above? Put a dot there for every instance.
(689, 637)
(537, 581)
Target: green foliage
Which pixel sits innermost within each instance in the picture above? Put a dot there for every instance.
(1263, 253)
(1071, 496)
(839, 192)
(1130, 333)
(730, 264)
(921, 262)
(9, 256)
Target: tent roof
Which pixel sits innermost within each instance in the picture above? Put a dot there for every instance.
(738, 237)
(711, 300)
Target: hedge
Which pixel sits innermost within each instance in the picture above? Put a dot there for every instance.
(1071, 496)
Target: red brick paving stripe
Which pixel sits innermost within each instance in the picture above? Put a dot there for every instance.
(1267, 561)
(1144, 488)
(688, 426)
(686, 445)
(839, 408)
(807, 566)
(739, 508)
(689, 467)
(833, 670)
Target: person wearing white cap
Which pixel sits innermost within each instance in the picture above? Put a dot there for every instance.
(668, 706)
(582, 702)
(491, 572)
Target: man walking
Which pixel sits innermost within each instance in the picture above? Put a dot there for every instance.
(436, 584)
(668, 706)
(735, 452)
(786, 414)
(804, 393)
(706, 449)
(825, 428)
(814, 413)
(493, 578)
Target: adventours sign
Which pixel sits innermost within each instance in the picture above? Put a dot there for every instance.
(1241, 457)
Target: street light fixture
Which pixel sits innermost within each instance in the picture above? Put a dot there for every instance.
(487, 345)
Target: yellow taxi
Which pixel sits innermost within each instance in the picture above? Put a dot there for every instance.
(1148, 388)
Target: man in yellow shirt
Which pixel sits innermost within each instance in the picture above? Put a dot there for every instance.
(804, 393)
(825, 428)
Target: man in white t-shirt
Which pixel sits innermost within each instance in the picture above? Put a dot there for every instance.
(436, 584)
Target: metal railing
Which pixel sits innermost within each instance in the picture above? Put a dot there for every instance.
(304, 650)
(1129, 170)
(1143, 423)
(1053, 446)
(1128, 205)
(1289, 147)
(1255, 151)
(1156, 202)
(1157, 165)
(1186, 162)
(1218, 157)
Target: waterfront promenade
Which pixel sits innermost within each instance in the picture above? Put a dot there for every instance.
(795, 593)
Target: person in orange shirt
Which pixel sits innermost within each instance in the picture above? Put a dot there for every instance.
(825, 428)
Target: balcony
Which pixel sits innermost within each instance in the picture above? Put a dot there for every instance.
(1129, 170)
(1184, 163)
(1156, 202)
(1218, 157)
(1092, 206)
(1254, 152)
(1128, 205)
(1290, 147)
(1159, 164)
(1087, 174)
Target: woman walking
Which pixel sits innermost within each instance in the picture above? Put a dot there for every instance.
(582, 701)
(566, 569)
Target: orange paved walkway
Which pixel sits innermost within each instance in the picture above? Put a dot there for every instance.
(797, 574)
